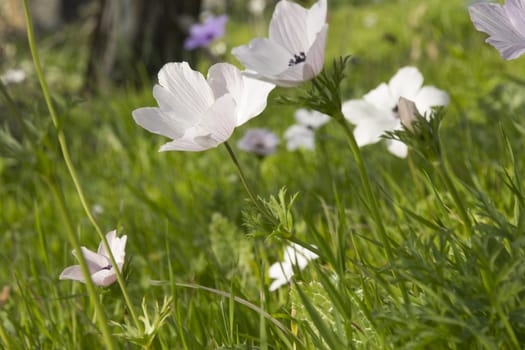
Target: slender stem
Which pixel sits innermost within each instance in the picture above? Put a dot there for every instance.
(372, 200)
(99, 311)
(445, 174)
(254, 200)
(69, 163)
(374, 204)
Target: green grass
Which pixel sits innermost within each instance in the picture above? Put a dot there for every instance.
(190, 224)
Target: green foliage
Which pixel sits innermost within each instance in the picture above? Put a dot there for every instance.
(453, 211)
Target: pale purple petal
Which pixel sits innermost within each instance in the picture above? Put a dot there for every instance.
(94, 261)
(201, 35)
(104, 278)
(262, 142)
(505, 27)
(72, 273)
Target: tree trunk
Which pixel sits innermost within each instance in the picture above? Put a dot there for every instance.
(134, 38)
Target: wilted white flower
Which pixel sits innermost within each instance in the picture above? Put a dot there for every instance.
(302, 134)
(294, 52)
(262, 142)
(13, 76)
(378, 110)
(505, 25)
(198, 114)
(294, 256)
(99, 264)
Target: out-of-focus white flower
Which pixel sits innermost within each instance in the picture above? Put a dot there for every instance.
(13, 76)
(294, 52)
(99, 264)
(294, 256)
(198, 114)
(256, 7)
(302, 134)
(378, 110)
(262, 142)
(505, 25)
(310, 118)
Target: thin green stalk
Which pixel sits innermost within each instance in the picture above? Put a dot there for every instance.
(69, 163)
(445, 175)
(254, 200)
(93, 296)
(374, 204)
(372, 200)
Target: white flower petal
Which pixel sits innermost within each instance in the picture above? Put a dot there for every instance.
(288, 27)
(430, 96)
(179, 115)
(313, 119)
(370, 131)
(183, 144)
(250, 94)
(299, 136)
(72, 273)
(220, 120)
(397, 148)
(505, 28)
(315, 55)
(94, 261)
(104, 278)
(157, 122)
(191, 92)
(405, 83)
(381, 97)
(358, 111)
(263, 56)
(316, 19)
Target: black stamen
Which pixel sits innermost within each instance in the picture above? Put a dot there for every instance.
(107, 267)
(301, 57)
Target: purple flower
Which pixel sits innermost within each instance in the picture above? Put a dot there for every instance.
(201, 35)
(262, 142)
(505, 25)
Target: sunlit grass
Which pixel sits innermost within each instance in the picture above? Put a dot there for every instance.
(189, 221)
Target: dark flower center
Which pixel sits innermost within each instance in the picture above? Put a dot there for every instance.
(107, 267)
(396, 111)
(301, 57)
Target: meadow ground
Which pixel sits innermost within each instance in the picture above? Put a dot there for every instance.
(448, 272)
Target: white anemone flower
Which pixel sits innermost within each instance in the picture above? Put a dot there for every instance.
(312, 119)
(378, 110)
(294, 52)
(99, 264)
(13, 76)
(198, 114)
(261, 141)
(505, 25)
(294, 256)
(302, 134)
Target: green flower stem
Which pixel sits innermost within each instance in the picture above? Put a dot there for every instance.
(446, 176)
(374, 204)
(257, 204)
(99, 311)
(372, 200)
(70, 167)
